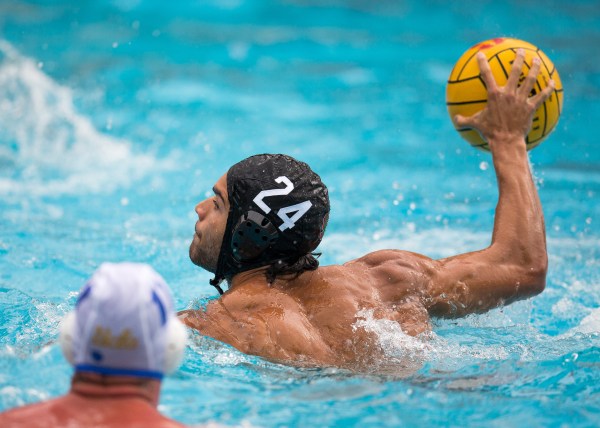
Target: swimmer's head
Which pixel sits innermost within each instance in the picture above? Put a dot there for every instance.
(277, 214)
(124, 324)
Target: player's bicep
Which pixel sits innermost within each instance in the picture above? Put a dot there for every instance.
(450, 287)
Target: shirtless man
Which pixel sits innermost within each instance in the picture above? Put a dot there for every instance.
(121, 338)
(281, 306)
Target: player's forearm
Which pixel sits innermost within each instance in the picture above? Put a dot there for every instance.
(519, 232)
(514, 266)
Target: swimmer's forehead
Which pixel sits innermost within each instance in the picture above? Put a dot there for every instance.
(220, 187)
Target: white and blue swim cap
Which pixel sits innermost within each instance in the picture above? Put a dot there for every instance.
(124, 324)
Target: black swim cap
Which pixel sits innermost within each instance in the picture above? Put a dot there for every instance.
(278, 209)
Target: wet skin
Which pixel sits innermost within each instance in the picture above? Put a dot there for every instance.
(309, 319)
(95, 401)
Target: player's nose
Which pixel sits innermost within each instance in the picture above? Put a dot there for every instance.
(200, 209)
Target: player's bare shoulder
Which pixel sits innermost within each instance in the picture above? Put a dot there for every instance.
(387, 258)
(396, 274)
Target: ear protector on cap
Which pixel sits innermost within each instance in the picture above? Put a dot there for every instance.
(177, 336)
(67, 329)
(252, 235)
(176, 341)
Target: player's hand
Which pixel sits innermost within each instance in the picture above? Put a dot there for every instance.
(509, 111)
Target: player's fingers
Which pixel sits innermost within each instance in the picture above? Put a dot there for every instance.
(464, 122)
(515, 72)
(539, 99)
(486, 72)
(531, 78)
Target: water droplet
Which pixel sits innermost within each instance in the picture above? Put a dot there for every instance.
(449, 195)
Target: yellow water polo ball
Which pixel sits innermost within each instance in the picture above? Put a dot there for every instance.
(466, 93)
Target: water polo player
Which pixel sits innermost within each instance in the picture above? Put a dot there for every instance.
(121, 338)
(269, 213)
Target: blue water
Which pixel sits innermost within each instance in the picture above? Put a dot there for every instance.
(116, 117)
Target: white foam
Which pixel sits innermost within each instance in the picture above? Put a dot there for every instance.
(23, 396)
(35, 338)
(392, 340)
(53, 148)
(566, 307)
(217, 352)
(402, 349)
(590, 324)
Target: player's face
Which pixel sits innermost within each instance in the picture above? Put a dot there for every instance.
(210, 227)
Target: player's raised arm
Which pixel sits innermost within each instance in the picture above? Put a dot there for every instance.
(514, 265)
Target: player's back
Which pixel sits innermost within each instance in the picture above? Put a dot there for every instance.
(83, 412)
(336, 299)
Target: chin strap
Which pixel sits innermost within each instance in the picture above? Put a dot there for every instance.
(215, 283)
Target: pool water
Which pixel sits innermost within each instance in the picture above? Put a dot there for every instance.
(116, 117)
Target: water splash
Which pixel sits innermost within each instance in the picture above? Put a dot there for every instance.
(46, 146)
(396, 344)
(590, 324)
